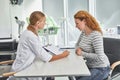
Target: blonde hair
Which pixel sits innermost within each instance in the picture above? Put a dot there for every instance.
(90, 20)
(34, 17)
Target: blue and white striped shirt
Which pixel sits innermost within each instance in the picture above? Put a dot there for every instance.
(92, 49)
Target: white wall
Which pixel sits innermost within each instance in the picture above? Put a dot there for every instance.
(30, 6)
(15, 10)
(21, 11)
(5, 24)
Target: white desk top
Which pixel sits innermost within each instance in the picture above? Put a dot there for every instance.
(69, 66)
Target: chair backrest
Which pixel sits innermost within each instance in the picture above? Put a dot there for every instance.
(112, 49)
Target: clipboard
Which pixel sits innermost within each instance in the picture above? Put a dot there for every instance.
(53, 49)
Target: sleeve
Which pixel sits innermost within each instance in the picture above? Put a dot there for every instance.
(97, 45)
(38, 50)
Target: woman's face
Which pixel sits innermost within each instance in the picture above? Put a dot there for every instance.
(42, 23)
(80, 24)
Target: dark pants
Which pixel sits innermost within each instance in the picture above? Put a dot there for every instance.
(96, 74)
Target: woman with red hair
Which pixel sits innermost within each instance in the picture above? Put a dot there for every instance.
(90, 46)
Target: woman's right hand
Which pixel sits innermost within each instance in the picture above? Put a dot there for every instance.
(65, 53)
(60, 56)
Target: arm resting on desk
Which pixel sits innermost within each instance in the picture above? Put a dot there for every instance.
(60, 56)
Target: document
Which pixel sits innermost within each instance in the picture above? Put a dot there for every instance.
(53, 49)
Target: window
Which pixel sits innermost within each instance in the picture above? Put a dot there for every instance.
(62, 11)
(108, 14)
(73, 7)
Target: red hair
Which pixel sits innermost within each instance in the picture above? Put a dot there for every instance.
(90, 20)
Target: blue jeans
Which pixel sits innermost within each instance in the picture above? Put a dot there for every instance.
(96, 74)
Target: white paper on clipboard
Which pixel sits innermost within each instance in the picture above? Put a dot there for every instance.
(53, 49)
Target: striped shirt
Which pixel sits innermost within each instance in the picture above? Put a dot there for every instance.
(92, 49)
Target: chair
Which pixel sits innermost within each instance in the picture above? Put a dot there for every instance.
(113, 66)
(7, 56)
(112, 50)
(5, 67)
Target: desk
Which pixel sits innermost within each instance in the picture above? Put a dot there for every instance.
(72, 65)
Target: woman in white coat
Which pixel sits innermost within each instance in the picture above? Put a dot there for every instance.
(30, 46)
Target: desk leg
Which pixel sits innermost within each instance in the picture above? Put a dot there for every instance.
(62, 78)
(44, 78)
(71, 78)
(26, 78)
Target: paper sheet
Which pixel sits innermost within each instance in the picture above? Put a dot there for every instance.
(53, 49)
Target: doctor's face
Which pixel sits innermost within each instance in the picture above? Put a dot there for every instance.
(80, 24)
(42, 23)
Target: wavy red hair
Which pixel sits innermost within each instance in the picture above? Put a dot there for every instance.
(91, 22)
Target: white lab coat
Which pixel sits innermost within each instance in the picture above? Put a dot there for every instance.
(29, 48)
